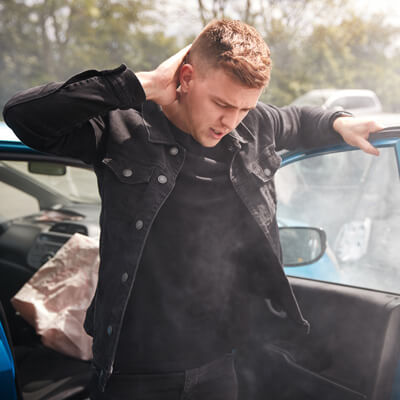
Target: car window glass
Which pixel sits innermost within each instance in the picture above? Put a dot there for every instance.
(341, 102)
(353, 102)
(310, 99)
(363, 102)
(15, 203)
(355, 198)
(77, 184)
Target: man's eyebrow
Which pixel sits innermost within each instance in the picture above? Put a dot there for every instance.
(225, 103)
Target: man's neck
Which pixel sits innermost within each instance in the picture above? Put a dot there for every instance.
(176, 114)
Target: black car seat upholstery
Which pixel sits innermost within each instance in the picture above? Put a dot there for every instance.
(44, 374)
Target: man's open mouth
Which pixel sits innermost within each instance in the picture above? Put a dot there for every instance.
(217, 133)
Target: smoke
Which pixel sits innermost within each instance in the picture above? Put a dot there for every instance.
(353, 197)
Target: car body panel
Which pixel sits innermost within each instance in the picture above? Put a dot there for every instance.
(7, 369)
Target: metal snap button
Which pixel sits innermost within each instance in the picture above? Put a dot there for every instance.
(124, 277)
(109, 330)
(162, 179)
(267, 171)
(139, 224)
(173, 151)
(127, 172)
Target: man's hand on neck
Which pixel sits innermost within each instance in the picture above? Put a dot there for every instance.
(161, 84)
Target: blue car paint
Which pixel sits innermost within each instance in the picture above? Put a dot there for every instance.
(290, 157)
(7, 370)
(323, 269)
(396, 384)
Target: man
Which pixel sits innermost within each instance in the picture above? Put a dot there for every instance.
(185, 157)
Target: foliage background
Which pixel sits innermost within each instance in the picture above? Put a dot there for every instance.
(314, 43)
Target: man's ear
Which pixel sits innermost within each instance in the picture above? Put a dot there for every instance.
(186, 75)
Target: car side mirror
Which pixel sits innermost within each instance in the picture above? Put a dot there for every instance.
(302, 245)
(46, 168)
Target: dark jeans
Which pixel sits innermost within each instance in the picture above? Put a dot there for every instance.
(213, 381)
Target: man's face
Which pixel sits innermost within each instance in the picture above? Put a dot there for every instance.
(215, 104)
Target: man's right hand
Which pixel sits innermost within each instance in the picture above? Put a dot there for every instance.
(161, 84)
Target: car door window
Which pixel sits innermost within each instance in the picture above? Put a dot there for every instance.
(76, 184)
(341, 102)
(355, 198)
(16, 203)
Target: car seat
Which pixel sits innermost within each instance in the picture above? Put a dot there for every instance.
(44, 374)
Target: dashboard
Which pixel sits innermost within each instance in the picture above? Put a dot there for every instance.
(32, 240)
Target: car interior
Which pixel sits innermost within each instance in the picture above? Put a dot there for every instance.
(28, 238)
(42, 373)
(353, 355)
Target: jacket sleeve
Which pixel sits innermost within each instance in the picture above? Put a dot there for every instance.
(67, 118)
(300, 127)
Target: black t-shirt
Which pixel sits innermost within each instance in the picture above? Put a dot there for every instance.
(179, 315)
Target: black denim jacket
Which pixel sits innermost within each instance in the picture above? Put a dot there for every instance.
(102, 118)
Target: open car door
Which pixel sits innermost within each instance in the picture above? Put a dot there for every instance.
(351, 296)
(8, 386)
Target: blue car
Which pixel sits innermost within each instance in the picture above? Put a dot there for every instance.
(339, 221)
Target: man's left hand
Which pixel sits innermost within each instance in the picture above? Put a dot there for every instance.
(355, 131)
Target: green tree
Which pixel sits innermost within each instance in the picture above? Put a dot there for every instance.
(47, 40)
(317, 44)
(357, 53)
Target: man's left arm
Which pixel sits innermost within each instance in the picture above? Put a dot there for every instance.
(313, 127)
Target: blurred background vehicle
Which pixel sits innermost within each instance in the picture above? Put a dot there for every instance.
(356, 101)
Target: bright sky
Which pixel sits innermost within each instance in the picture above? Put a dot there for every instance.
(391, 8)
(182, 20)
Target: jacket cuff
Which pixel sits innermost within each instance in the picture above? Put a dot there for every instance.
(126, 86)
(338, 114)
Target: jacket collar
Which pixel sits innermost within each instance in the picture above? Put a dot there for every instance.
(158, 129)
(156, 124)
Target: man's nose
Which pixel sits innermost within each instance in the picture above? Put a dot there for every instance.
(230, 119)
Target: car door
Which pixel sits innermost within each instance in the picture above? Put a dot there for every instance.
(8, 386)
(352, 301)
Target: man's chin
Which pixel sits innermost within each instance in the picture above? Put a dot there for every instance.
(206, 142)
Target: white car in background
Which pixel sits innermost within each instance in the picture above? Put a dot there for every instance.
(357, 101)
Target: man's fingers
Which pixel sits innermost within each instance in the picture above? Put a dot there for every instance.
(364, 144)
(180, 57)
(184, 52)
(374, 126)
(367, 147)
(177, 59)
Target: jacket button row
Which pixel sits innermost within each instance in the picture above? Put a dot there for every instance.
(173, 151)
(109, 330)
(127, 172)
(162, 179)
(139, 224)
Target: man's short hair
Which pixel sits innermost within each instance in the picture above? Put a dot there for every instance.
(236, 47)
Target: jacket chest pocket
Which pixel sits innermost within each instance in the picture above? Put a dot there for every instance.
(263, 169)
(125, 184)
(265, 165)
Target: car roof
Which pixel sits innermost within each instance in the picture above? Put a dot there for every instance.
(340, 92)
